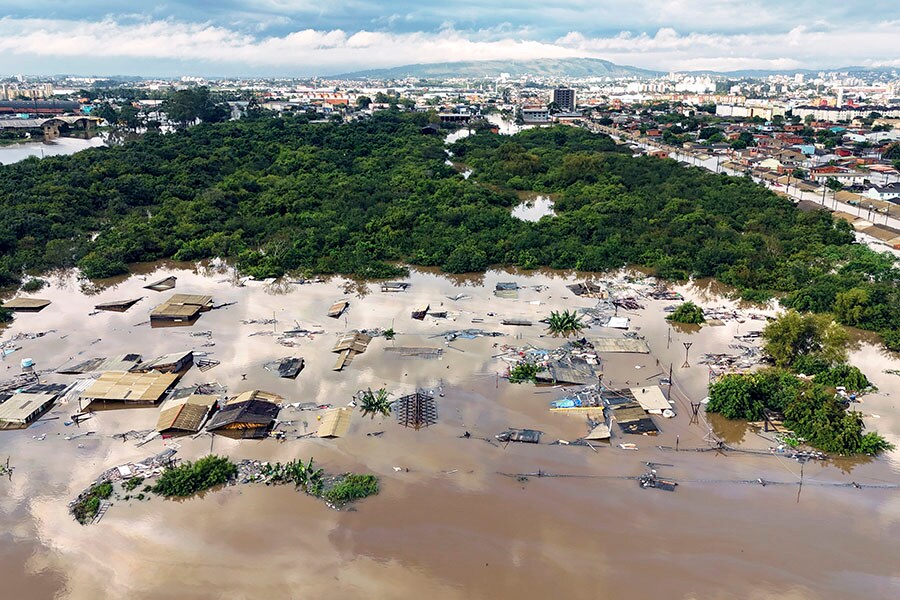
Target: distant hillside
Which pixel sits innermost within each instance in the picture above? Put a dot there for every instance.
(545, 67)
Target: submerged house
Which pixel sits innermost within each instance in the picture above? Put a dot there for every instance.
(167, 363)
(250, 415)
(20, 409)
(122, 386)
(26, 304)
(184, 416)
(181, 308)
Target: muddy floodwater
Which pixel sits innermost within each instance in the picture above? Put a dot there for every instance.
(449, 522)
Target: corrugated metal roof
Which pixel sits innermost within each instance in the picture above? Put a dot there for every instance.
(335, 423)
(22, 406)
(131, 387)
(650, 398)
(257, 395)
(188, 415)
(252, 412)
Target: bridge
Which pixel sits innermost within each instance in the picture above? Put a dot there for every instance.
(52, 127)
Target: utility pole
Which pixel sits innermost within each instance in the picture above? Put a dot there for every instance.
(687, 348)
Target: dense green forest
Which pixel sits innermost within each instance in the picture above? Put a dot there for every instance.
(282, 194)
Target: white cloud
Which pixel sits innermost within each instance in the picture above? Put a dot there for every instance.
(323, 51)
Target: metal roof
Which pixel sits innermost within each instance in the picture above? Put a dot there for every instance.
(182, 306)
(185, 414)
(335, 423)
(22, 406)
(256, 395)
(26, 304)
(130, 387)
(650, 398)
(251, 412)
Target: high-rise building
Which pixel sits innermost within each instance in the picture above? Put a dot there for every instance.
(564, 98)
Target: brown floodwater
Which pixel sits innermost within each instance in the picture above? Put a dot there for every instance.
(449, 521)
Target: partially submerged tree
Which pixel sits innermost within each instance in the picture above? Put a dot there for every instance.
(794, 337)
(687, 313)
(564, 323)
(374, 403)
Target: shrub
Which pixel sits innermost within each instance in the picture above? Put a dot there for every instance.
(688, 312)
(87, 506)
(130, 484)
(33, 285)
(843, 375)
(352, 487)
(523, 372)
(190, 478)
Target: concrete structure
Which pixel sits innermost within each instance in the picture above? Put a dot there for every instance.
(565, 99)
(536, 114)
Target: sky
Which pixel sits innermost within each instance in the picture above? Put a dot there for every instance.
(322, 37)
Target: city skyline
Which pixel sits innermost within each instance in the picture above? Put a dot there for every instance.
(301, 38)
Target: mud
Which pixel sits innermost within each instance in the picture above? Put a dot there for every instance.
(448, 523)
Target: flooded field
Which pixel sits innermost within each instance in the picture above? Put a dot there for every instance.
(452, 520)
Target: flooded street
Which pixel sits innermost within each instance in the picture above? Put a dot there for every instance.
(452, 520)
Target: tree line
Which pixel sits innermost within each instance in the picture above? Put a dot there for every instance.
(281, 194)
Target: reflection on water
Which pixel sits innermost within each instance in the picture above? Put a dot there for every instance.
(445, 524)
(534, 209)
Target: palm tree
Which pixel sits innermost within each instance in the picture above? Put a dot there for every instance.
(374, 403)
(564, 323)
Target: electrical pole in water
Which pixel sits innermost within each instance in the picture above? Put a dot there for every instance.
(687, 348)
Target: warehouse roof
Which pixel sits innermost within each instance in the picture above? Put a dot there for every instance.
(130, 387)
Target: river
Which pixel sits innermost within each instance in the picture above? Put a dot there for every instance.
(447, 524)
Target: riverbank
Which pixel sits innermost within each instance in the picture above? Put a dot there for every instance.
(447, 522)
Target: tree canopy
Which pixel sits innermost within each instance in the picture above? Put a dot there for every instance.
(281, 194)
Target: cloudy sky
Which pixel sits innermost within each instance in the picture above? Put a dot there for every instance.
(320, 37)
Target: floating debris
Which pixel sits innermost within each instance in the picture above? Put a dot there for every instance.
(527, 436)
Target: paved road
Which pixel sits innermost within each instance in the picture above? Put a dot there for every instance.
(713, 164)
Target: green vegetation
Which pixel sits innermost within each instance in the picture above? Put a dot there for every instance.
(33, 285)
(88, 504)
(843, 375)
(279, 194)
(312, 481)
(795, 340)
(352, 487)
(374, 403)
(190, 478)
(130, 484)
(6, 315)
(523, 372)
(564, 323)
(810, 410)
(688, 312)
(389, 334)
(303, 475)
